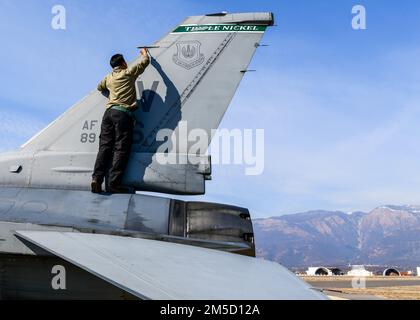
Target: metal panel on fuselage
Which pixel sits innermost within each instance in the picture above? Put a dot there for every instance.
(133, 215)
(84, 210)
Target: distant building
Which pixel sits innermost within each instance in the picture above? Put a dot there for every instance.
(418, 272)
(318, 271)
(359, 271)
(391, 272)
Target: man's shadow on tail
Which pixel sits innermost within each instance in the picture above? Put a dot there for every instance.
(155, 113)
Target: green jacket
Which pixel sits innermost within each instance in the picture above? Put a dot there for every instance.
(121, 85)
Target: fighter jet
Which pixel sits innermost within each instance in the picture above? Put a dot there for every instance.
(60, 241)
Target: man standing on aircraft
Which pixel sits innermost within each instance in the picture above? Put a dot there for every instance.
(118, 123)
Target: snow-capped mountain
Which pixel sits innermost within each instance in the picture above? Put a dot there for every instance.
(388, 235)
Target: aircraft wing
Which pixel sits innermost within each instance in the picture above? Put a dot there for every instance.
(152, 269)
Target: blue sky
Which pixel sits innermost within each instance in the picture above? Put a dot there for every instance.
(340, 108)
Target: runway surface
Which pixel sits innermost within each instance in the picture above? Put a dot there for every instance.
(370, 283)
(370, 288)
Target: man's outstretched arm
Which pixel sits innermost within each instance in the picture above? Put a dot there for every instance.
(103, 88)
(102, 85)
(139, 68)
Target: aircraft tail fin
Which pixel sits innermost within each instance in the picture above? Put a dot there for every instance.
(194, 73)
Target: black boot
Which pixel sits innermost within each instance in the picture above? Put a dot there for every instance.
(96, 186)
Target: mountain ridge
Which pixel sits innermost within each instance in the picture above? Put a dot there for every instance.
(387, 235)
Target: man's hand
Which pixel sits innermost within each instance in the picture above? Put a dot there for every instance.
(143, 52)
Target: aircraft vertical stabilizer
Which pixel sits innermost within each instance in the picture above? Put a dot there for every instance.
(194, 73)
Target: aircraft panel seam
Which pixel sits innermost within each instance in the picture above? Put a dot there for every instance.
(188, 91)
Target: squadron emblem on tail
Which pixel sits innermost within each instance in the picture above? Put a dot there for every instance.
(188, 54)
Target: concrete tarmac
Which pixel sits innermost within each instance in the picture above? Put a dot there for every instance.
(370, 283)
(369, 288)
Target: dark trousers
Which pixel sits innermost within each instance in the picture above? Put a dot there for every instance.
(115, 144)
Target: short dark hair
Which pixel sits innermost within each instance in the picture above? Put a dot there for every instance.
(117, 60)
